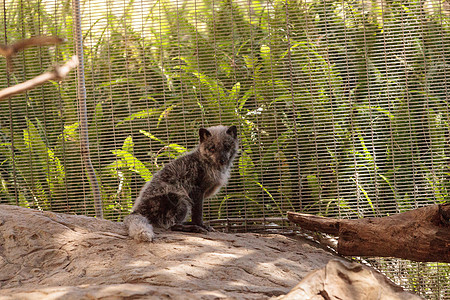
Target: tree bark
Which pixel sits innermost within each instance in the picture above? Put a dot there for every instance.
(421, 234)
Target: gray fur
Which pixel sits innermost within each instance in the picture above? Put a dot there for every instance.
(178, 190)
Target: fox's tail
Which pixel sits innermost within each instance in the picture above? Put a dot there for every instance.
(139, 228)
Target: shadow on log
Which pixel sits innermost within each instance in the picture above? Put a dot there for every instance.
(421, 234)
(46, 255)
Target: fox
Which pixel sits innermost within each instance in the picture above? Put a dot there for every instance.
(178, 190)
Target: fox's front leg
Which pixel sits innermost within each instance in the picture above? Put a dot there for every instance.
(197, 213)
(197, 218)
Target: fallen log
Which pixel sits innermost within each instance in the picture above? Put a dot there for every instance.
(49, 255)
(421, 234)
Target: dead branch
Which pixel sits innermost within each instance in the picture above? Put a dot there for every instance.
(9, 51)
(57, 74)
(421, 234)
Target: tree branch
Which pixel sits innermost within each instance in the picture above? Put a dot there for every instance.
(9, 51)
(57, 74)
(421, 234)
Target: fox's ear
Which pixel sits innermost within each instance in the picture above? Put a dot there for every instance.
(204, 134)
(232, 130)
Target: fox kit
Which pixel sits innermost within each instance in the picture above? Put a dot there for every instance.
(180, 187)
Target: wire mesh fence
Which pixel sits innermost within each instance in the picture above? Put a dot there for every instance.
(342, 108)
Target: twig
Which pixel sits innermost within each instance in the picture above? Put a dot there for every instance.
(8, 51)
(57, 74)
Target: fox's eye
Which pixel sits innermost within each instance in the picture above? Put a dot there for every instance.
(212, 149)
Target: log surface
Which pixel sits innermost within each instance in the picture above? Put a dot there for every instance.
(45, 254)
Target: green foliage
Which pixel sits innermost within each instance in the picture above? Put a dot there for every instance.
(430, 280)
(125, 159)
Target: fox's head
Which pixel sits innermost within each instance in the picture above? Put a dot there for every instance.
(219, 144)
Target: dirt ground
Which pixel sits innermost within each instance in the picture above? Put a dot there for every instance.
(45, 255)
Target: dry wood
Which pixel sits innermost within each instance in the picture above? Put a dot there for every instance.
(8, 51)
(88, 258)
(421, 234)
(344, 280)
(57, 74)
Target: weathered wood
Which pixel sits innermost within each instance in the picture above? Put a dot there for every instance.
(44, 255)
(345, 280)
(315, 223)
(421, 234)
(57, 74)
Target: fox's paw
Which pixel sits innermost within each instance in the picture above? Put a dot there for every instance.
(208, 228)
(189, 228)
